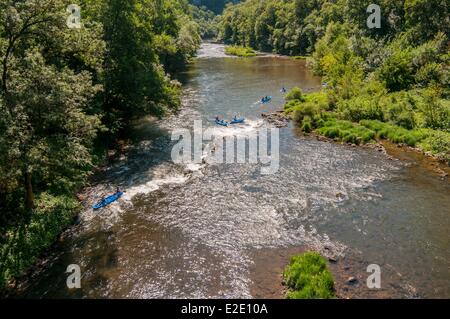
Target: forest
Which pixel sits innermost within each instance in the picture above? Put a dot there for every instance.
(387, 82)
(66, 93)
(216, 6)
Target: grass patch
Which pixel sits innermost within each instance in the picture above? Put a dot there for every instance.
(428, 140)
(295, 94)
(346, 131)
(240, 51)
(396, 134)
(438, 143)
(295, 99)
(308, 277)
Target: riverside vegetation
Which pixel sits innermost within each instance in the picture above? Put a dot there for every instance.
(240, 51)
(391, 82)
(66, 94)
(307, 277)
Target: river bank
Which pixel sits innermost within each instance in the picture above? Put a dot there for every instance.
(436, 164)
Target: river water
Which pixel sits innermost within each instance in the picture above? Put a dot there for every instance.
(194, 231)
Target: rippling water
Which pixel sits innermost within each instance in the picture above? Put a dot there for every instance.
(192, 231)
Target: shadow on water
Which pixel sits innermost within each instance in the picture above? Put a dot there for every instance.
(99, 258)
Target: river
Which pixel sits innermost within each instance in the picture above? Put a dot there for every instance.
(226, 231)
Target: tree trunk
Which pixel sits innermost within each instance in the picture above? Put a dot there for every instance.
(29, 195)
(9, 49)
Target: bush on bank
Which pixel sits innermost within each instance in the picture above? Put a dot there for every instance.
(239, 51)
(307, 277)
(400, 117)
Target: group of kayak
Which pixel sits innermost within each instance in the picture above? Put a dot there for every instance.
(235, 120)
(114, 197)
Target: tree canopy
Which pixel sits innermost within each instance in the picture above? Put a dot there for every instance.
(215, 6)
(65, 86)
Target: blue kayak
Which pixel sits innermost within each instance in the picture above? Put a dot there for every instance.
(237, 121)
(264, 101)
(108, 200)
(221, 122)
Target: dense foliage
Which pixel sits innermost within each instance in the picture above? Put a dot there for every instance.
(62, 89)
(397, 75)
(207, 21)
(294, 26)
(240, 51)
(307, 277)
(215, 6)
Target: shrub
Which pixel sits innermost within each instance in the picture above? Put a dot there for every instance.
(397, 70)
(290, 106)
(436, 111)
(399, 108)
(307, 125)
(360, 108)
(331, 132)
(308, 277)
(295, 94)
(437, 143)
(318, 98)
(240, 51)
(430, 73)
(303, 110)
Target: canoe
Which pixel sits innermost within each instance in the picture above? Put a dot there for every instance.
(237, 121)
(269, 98)
(223, 123)
(108, 200)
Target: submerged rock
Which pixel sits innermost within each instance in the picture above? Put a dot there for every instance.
(333, 259)
(279, 118)
(351, 280)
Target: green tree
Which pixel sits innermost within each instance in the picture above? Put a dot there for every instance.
(46, 131)
(135, 83)
(425, 18)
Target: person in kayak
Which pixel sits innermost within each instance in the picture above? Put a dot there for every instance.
(221, 122)
(266, 99)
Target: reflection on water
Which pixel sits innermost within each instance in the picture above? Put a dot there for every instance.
(194, 231)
